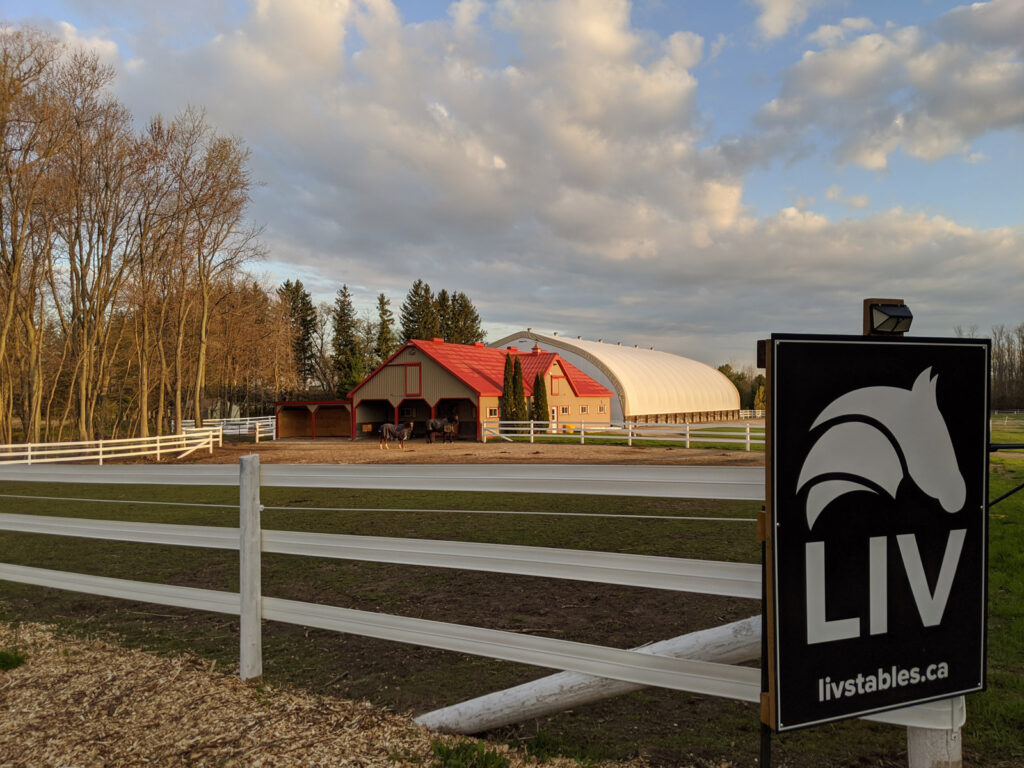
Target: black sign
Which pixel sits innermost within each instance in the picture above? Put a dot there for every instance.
(877, 527)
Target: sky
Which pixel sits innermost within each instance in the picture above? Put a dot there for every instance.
(687, 175)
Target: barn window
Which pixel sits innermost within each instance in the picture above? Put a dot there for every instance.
(412, 379)
(602, 409)
(492, 413)
(556, 388)
(565, 410)
(584, 410)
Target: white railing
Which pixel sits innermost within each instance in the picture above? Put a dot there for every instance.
(752, 413)
(100, 450)
(687, 434)
(630, 666)
(261, 427)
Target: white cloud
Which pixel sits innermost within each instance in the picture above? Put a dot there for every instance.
(907, 89)
(828, 35)
(778, 17)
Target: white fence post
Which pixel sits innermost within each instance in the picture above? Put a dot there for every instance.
(629, 433)
(101, 453)
(29, 447)
(531, 431)
(581, 432)
(687, 432)
(250, 663)
(933, 748)
(748, 437)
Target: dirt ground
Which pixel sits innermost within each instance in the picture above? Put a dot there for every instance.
(417, 451)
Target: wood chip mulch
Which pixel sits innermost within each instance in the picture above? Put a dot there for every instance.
(83, 703)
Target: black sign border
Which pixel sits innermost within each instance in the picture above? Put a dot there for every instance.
(770, 616)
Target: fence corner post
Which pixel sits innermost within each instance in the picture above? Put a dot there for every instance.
(531, 431)
(250, 662)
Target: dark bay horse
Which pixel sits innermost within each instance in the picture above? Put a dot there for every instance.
(448, 428)
(399, 432)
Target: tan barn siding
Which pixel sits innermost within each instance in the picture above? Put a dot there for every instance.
(566, 397)
(389, 383)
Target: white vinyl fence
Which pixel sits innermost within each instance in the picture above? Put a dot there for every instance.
(179, 446)
(746, 435)
(638, 667)
(260, 427)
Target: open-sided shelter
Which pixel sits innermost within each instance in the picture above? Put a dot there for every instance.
(313, 418)
(434, 379)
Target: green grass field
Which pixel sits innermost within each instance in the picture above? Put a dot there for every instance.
(1007, 428)
(668, 728)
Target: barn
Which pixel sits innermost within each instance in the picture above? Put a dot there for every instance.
(650, 386)
(435, 379)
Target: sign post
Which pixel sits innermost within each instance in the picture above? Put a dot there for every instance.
(876, 525)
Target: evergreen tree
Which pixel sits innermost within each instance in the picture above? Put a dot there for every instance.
(464, 326)
(303, 321)
(350, 353)
(443, 308)
(419, 313)
(507, 402)
(385, 342)
(520, 411)
(539, 401)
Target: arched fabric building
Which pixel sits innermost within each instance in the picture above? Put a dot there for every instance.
(650, 386)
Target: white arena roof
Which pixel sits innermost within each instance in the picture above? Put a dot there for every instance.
(647, 381)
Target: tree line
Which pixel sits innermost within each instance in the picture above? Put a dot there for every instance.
(335, 349)
(1007, 384)
(125, 301)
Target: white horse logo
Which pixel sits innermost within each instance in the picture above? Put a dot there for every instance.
(909, 427)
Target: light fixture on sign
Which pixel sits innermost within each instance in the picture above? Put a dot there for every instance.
(886, 317)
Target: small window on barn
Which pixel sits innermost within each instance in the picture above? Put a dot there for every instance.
(602, 409)
(565, 410)
(406, 412)
(412, 379)
(492, 413)
(584, 410)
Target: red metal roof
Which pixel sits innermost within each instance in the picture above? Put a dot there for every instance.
(482, 368)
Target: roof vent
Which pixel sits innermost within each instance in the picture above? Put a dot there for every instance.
(437, 340)
(529, 330)
(554, 333)
(600, 341)
(511, 348)
(580, 338)
(478, 343)
(618, 343)
(536, 349)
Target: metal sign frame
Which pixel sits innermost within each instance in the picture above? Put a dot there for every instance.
(876, 524)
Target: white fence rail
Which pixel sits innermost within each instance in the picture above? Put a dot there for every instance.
(99, 450)
(260, 427)
(746, 435)
(731, 579)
